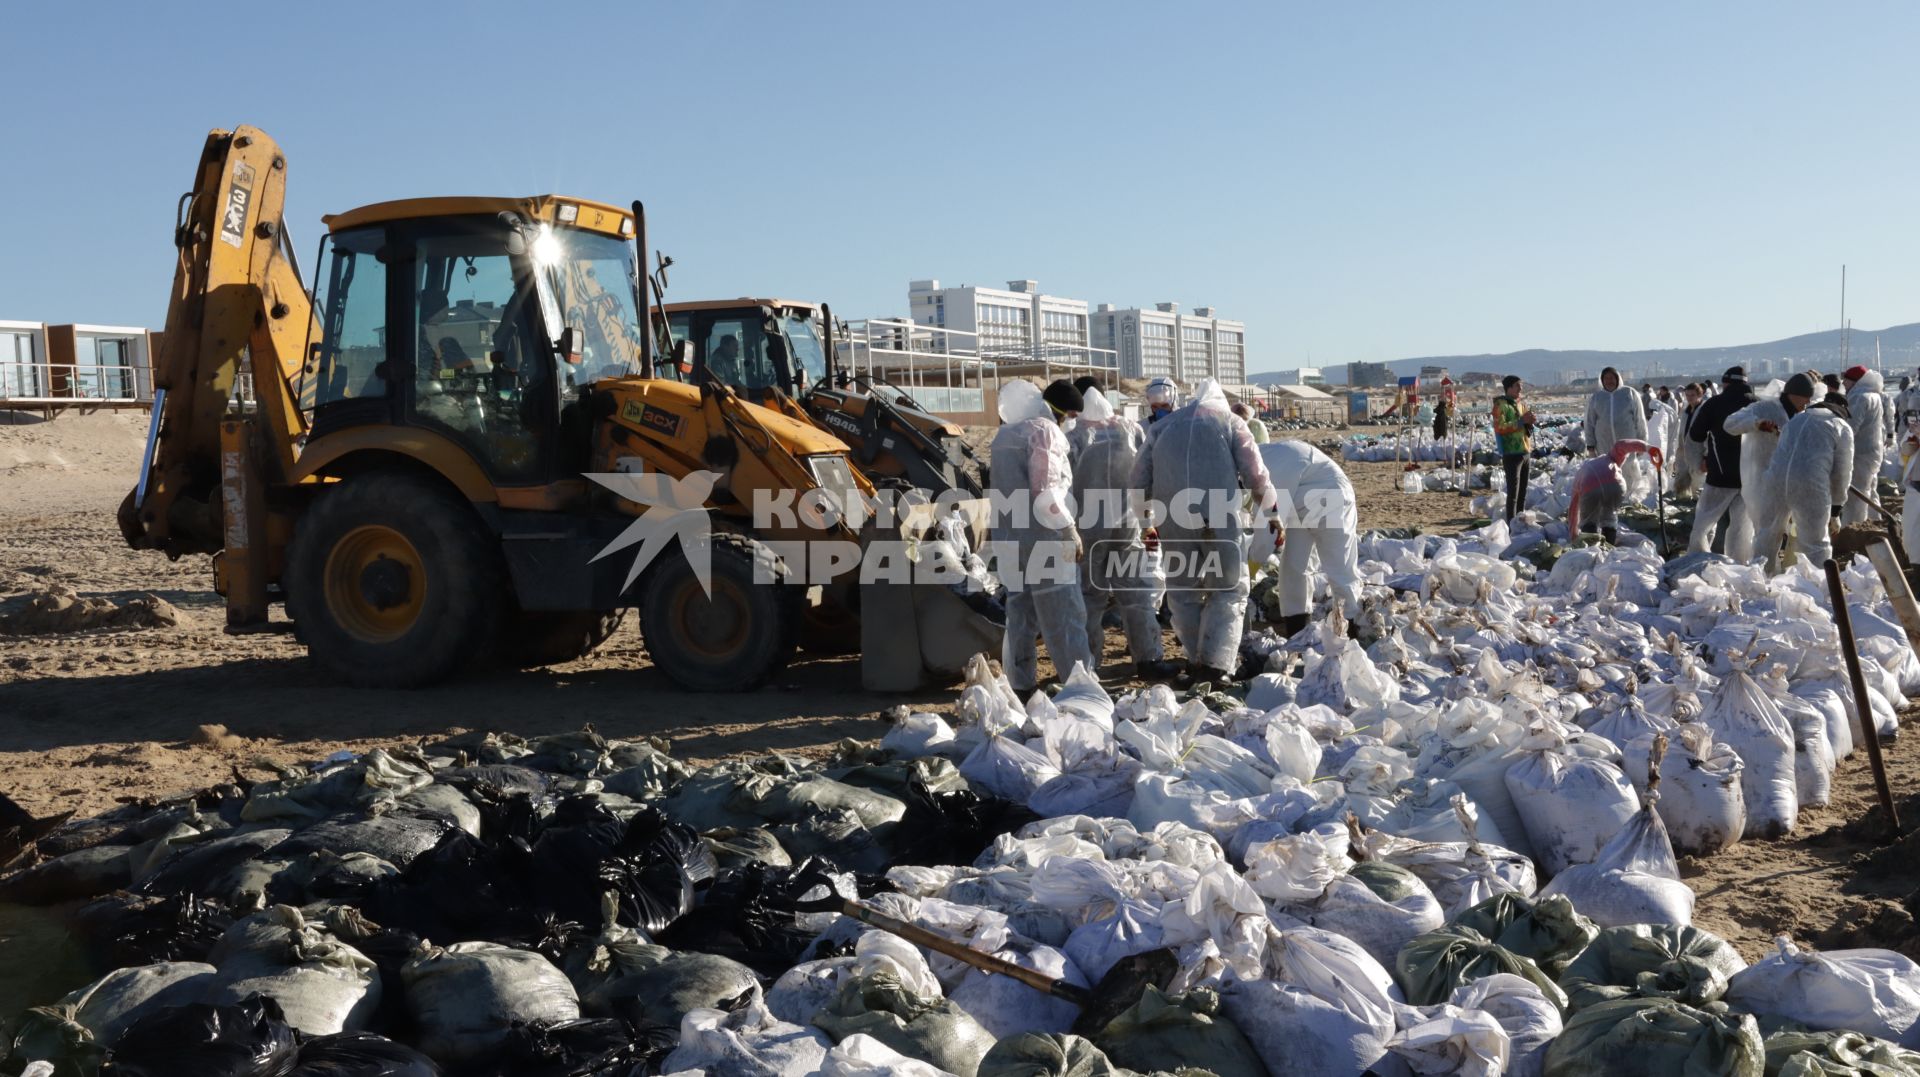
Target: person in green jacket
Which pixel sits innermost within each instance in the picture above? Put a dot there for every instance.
(1513, 432)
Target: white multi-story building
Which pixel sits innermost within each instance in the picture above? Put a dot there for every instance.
(1162, 342)
(1018, 321)
(1306, 375)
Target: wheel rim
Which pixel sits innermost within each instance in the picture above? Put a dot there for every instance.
(713, 628)
(375, 584)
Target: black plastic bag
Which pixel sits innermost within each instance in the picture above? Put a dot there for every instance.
(247, 1039)
(650, 864)
(360, 1054)
(747, 914)
(395, 837)
(589, 1047)
(190, 869)
(459, 889)
(123, 929)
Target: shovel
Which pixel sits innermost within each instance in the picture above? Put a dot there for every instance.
(1116, 992)
(1660, 501)
(1893, 522)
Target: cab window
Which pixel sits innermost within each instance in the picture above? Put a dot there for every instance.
(477, 372)
(736, 353)
(352, 303)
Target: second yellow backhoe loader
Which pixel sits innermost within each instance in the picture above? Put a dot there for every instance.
(763, 346)
(455, 448)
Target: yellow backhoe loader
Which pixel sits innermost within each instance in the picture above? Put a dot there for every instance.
(411, 474)
(769, 348)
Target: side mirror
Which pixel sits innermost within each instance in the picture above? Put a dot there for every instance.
(568, 346)
(682, 354)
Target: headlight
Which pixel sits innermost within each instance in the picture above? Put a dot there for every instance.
(838, 493)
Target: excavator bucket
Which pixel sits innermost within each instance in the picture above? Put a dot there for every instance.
(919, 634)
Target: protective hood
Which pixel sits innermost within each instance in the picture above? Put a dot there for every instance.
(1870, 382)
(1771, 390)
(1020, 401)
(1096, 408)
(1208, 394)
(1627, 447)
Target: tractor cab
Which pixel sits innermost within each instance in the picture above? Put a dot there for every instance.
(478, 320)
(781, 353)
(750, 345)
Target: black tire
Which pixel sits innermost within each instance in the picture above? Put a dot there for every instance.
(732, 642)
(547, 639)
(455, 595)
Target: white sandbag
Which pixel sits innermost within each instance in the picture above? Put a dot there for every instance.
(1324, 1005)
(1134, 928)
(322, 985)
(1833, 708)
(1379, 905)
(1292, 747)
(1299, 867)
(1427, 811)
(1460, 874)
(877, 951)
(1344, 678)
(1531, 1020)
(1449, 1040)
(1635, 879)
(1812, 753)
(1161, 798)
(918, 734)
(1570, 804)
(110, 1005)
(1270, 690)
(1876, 992)
(1006, 1007)
(1630, 721)
(1700, 798)
(1212, 908)
(803, 989)
(1096, 791)
(860, 1055)
(751, 1043)
(1007, 768)
(1743, 717)
(466, 997)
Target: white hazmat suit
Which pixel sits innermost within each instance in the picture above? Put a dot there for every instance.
(1757, 445)
(1868, 415)
(1322, 519)
(1620, 415)
(1616, 415)
(1117, 571)
(1195, 461)
(1034, 539)
(1906, 407)
(1804, 483)
(1910, 505)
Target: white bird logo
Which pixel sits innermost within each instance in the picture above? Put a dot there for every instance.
(675, 507)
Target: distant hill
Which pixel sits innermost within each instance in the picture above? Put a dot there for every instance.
(1899, 350)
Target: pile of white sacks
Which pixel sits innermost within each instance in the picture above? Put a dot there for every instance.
(1400, 856)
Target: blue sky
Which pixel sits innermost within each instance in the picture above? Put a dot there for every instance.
(1355, 181)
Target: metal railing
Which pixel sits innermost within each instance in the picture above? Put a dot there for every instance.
(923, 358)
(42, 384)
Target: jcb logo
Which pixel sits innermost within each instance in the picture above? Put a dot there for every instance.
(233, 216)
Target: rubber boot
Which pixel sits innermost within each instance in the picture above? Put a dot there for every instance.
(1156, 671)
(1293, 624)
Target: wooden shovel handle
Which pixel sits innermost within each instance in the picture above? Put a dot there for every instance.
(985, 962)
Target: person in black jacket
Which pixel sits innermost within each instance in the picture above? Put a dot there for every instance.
(1720, 496)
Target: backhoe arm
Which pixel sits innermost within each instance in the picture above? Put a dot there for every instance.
(236, 294)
